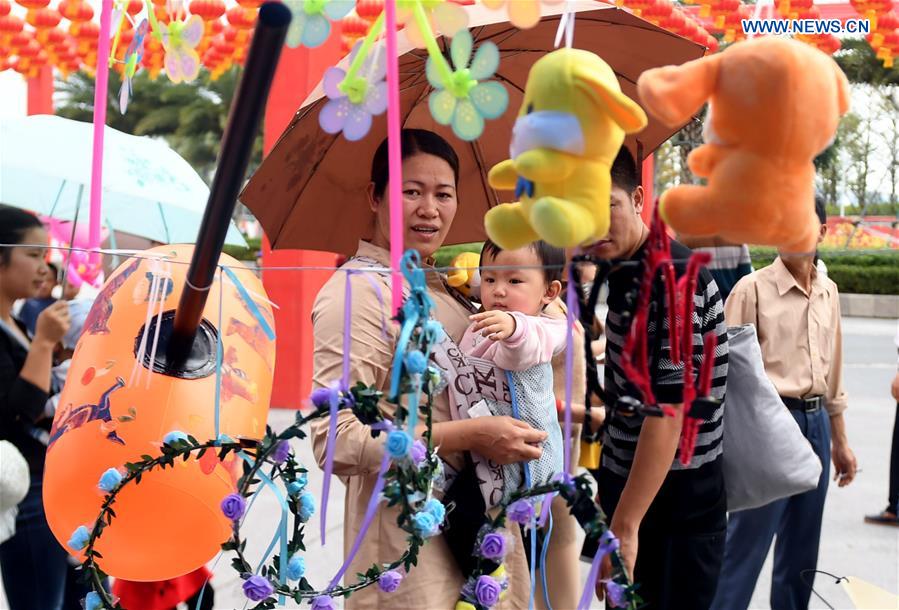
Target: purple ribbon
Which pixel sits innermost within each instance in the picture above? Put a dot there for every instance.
(590, 586)
(380, 295)
(571, 315)
(545, 508)
(370, 511)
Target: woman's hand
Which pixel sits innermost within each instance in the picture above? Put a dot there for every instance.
(52, 323)
(506, 440)
(495, 325)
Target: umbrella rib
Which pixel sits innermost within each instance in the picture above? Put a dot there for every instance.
(479, 159)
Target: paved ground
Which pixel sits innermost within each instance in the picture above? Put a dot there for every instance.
(849, 546)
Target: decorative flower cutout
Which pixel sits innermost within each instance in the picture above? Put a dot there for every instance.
(353, 101)
(133, 57)
(523, 14)
(311, 23)
(180, 39)
(442, 17)
(465, 101)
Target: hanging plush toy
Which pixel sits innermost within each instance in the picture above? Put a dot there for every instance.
(774, 104)
(466, 276)
(571, 124)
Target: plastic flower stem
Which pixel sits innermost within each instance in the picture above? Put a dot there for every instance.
(394, 158)
(356, 65)
(443, 68)
(118, 36)
(154, 25)
(100, 103)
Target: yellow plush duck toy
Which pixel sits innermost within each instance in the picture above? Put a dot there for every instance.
(571, 125)
(465, 275)
(774, 104)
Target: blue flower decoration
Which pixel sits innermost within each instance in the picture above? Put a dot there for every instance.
(173, 437)
(306, 506)
(296, 567)
(110, 480)
(398, 444)
(425, 524)
(436, 508)
(295, 487)
(79, 538)
(416, 363)
(311, 23)
(467, 100)
(92, 601)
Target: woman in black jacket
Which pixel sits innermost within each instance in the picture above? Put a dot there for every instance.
(32, 562)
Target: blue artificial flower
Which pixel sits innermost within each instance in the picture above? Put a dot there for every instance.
(174, 436)
(296, 567)
(416, 363)
(306, 504)
(92, 601)
(295, 487)
(466, 100)
(311, 23)
(436, 508)
(398, 444)
(425, 524)
(110, 480)
(79, 538)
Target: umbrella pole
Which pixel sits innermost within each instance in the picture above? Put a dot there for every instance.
(237, 145)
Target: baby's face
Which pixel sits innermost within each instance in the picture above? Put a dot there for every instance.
(521, 288)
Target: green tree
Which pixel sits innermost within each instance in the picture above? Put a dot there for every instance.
(861, 65)
(191, 117)
(889, 107)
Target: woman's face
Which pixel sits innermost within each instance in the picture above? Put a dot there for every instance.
(429, 205)
(24, 274)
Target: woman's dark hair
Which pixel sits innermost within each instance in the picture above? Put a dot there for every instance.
(413, 142)
(14, 224)
(551, 257)
(820, 208)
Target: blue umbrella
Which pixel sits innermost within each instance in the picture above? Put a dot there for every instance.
(148, 189)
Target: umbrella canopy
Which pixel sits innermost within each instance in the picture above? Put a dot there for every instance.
(148, 189)
(309, 193)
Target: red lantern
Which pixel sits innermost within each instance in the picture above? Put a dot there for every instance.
(10, 25)
(251, 4)
(76, 11)
(242, 18)
(5, 8)
(134, 7)
(19, 41)
(32, 4)
(207, 10)
(369, 10)
(43, 18)
(675, 21)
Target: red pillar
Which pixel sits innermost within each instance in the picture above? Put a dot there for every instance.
(299, 71)
(40, 92)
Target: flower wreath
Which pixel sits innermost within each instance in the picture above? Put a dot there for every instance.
(407, 478)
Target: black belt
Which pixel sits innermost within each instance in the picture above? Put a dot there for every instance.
(811, 404)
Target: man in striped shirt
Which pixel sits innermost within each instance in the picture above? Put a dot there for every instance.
(670, 518)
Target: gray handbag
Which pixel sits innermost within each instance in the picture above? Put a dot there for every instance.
(766, 457)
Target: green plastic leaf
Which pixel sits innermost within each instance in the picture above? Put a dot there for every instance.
(491, 99)
(442, 105)
(468, 124)
(486, 61)
(460, 49)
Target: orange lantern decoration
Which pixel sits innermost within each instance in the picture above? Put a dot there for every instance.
(76, 11)
(250, 4)
(134, 7)
(369, 10)
(352, 29)
(10, 26)
(208, 10)
(242, 18)
(5, 8)
(43, 18)
(119, 406)
(886, 23)
(32, 4)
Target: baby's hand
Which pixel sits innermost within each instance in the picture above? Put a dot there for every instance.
(495, 325)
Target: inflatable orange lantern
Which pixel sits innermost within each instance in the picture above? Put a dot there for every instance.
(118, 405)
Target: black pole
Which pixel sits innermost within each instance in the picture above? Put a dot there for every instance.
(237, 145)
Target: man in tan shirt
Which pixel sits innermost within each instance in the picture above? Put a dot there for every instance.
(796, 312)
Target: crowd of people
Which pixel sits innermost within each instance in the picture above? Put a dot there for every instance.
(677, 539)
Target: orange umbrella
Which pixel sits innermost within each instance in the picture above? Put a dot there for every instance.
(309, 193)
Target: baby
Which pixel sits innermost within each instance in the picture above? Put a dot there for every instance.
(513, 334)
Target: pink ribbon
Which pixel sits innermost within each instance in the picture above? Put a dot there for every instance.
(100, 90)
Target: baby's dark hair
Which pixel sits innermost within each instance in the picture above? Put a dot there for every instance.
(552, 258)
